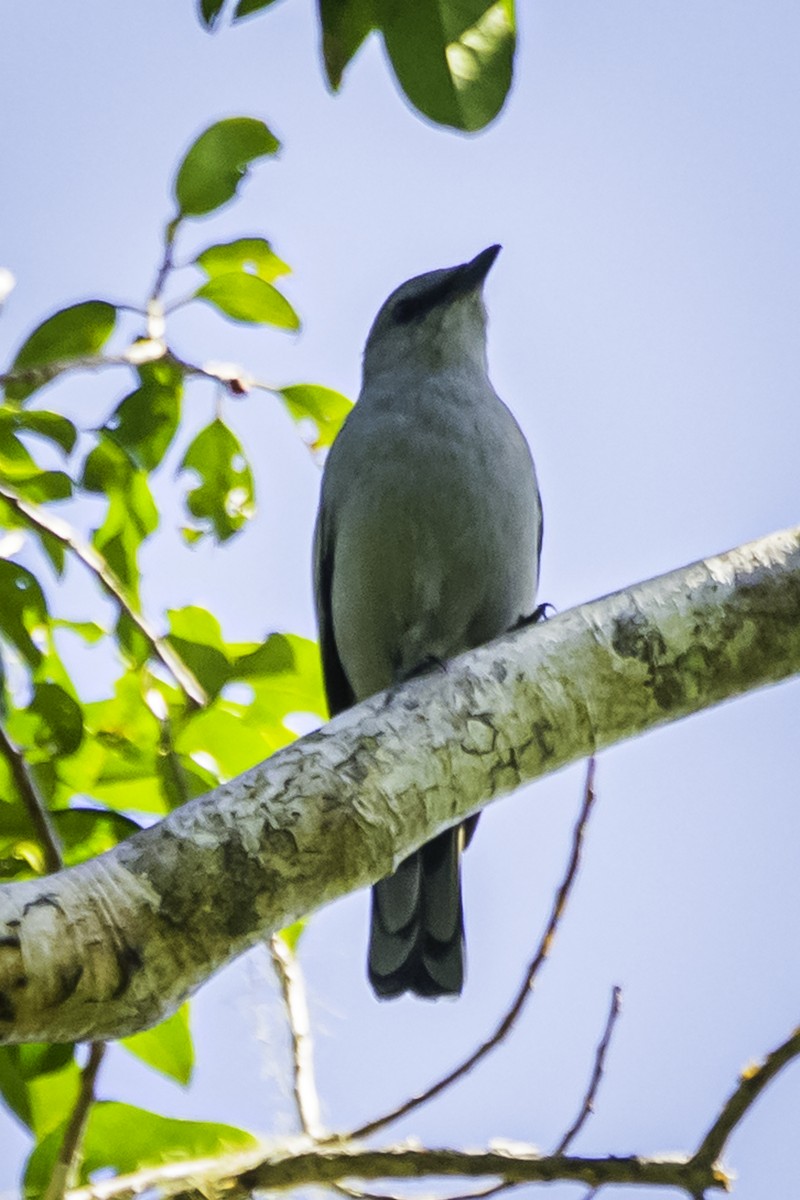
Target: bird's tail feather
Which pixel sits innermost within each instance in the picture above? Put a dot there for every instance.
(417, 928)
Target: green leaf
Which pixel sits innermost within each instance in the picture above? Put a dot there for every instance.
(75, 332)
(131, 515)
(291, 935)
(59, 727)
(345, 24)
(26, 1075)
(22, 610)
(224, 498)
(89, 631)
(217, 162)
(168, 1047)
(209, 11)
(454, 59)
(321, 407)
(145, 422)
(232, 735)
(254, 255)
(87, 832)
(246, 8)
(196, 636)
(123, 1138)
(243, 297)
(48, 425)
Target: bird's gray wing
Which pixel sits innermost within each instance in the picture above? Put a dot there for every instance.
(337, 686)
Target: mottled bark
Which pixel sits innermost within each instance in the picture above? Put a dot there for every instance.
(111, 946)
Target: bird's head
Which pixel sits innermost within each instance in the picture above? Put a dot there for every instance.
(433, 320)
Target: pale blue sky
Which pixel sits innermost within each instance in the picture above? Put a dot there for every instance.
(644, 181)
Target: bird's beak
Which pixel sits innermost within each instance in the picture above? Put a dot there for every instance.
(473, 273)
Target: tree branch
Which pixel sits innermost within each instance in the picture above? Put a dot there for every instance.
(281, 1169)
(115, 944)
(752, 1082)
(293, 991)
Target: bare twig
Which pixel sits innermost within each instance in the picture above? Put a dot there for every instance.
(286, 1168)
(40, 519)
(73, 1136)
(752, 1082)
(518, 1003)
(587, 1106)
(34, 803)
(293, 990)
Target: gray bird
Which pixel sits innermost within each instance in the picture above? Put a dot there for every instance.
(427, 544)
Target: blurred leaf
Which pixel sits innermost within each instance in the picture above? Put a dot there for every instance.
(454, 59)
(131, 515)
(58, 729)
(291, 935)
(53, 1066)
(323, 407)
(286, 676)
(117, 761)
(232, 735)
(75, 332)
(48, 425)
(217, 161)
(253, 255)
(345, 24)
(89, 631)
(244, 297)
(246, 8)
(209, 11)
(87, 832)
(168, 1047)
(145, 422)
(197, 637)
(125, 1139)
(22, 610)
(224, 498)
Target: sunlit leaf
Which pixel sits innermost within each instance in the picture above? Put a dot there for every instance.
(196, 636)
(167, 1047)
(75, 332)
(291, 935)
(217, 161)
(453, 58)
(126, 1139)
(323, 409)
(145, 422)
(28, 1073)
(253, 255)
(223, 499)
(244, 297)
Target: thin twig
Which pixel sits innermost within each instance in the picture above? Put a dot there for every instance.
(518, 1003)
(34, 803)
(293, 990)
(70, 1147)
(587, 1105)
(752, 1082)
(359, 1194)
(40, 519)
